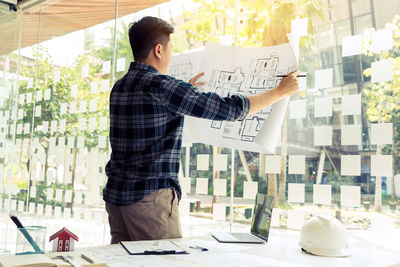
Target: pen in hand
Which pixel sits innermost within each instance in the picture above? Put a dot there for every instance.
(300, 75)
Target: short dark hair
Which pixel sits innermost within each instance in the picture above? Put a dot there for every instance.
(146, 33)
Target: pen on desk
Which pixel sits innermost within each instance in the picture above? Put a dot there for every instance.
(300, 75)
(198, 247)
(159, 252)
(22, 229)
(87, 258)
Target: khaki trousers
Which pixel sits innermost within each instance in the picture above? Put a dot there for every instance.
(154, 217)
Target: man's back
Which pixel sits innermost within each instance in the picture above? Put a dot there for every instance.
(145, 136)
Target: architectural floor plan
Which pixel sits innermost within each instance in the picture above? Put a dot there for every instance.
(234, 70)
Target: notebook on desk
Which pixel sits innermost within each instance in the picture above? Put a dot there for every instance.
(260, 224)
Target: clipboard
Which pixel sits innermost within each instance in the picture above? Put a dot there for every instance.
(150, 247)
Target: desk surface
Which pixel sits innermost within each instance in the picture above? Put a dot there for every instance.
(281, 250)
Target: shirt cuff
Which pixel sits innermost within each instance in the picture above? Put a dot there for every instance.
(246, 107)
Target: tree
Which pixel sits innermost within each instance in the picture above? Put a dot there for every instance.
(381, 99)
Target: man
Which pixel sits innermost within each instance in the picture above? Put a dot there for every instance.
(146, 121)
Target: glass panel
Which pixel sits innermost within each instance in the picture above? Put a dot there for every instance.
(9, 80)
(360, 7)
(54, 118)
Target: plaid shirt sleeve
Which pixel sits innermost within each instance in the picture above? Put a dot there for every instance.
(185, 99)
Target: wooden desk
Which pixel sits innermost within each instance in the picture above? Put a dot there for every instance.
(282, 249)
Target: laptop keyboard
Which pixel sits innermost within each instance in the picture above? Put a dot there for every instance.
(245, 236)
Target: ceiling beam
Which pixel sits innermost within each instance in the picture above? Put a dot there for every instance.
(60, 17)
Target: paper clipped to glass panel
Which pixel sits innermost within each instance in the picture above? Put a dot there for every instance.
(323, 78)
(57, 211)
(297, 164)
(38, 111)
(350, 165)
(381, 165)
(59, 194)
(21, 99)
(272, 164)
(80, 142)
(238, 70)
(322, 194)
(219, 187)
(106, 67)
(381, 133)
(350, 196)
(32, 192)
(21, 205)
(29, 98)
(85, 71)
(351, 45)
(201, 186)
(203, 162)
(219, 211)
(382, 40)
(105, 85)
(72, 108)
(296, 193)
(68, 196)
(121, 64)
(74, 90)
(381, 71)
(220, 162)
(250, 190)
(351, 104)
(323, 107)
(323, 135)
(351, 135)
(40, 209)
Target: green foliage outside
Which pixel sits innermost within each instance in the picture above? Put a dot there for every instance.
(382, 99)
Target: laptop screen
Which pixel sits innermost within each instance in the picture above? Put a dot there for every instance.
(262, 216)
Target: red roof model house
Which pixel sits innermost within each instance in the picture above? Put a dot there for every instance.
(63, 240)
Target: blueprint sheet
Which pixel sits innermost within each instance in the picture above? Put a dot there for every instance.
(186, 65)
(247, 71)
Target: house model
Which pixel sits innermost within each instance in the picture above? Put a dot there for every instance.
(63, 240)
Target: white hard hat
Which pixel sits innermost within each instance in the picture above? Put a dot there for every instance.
(324, 236)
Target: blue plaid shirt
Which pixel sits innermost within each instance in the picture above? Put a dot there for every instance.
(146, 121)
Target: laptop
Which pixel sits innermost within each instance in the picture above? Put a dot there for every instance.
(259, 226)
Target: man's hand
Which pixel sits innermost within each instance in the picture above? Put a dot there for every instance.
(194, 82)
(288, 85)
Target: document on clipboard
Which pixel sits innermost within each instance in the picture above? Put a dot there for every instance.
(152, 247)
